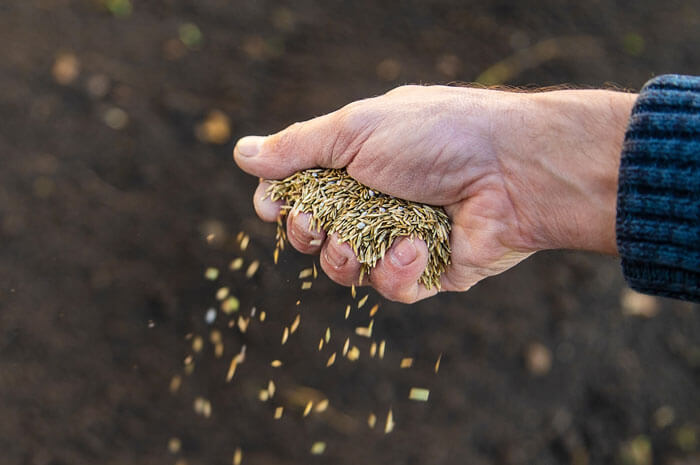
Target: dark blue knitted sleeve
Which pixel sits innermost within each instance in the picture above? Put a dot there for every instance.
(658, 202)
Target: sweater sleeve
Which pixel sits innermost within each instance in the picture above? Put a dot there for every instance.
(658, 202)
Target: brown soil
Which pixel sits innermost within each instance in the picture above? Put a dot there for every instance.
(102, 231)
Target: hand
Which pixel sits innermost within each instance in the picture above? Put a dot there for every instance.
(516, 173)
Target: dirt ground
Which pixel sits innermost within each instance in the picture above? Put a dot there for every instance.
(117, 121)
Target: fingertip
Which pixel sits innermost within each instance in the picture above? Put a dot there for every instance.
(266, 209)
(339, 262)
(396, 275)
(302, 237)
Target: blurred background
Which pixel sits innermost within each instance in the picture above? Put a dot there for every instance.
(118, 191)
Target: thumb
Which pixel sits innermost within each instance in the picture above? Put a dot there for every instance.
(319, 142)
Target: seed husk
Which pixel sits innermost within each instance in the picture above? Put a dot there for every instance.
(305, 273)
(331, 360)
(373, 310)
(252, 269)
(318, 448)
(276, 363)
(419, 394)
(382, 347)
(347, 312)
(406, 362)
(307, 409)
(211, 274)
(236, 264)
(389, 425)
(295, 324)
(230, 305)
(362, 301)
(321, 406)
(371, 420)
(285, 335)
(437, 363)
(306, 285)
(367, 220)
(222, 293)
(278, 412)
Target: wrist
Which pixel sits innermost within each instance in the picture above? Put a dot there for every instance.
(561, 166)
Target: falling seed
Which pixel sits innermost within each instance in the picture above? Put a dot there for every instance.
(353, 353)
(252, 268)
(211, 237)
(318, 448)
(308, 407)
(197, 344)
(271, 388)
(215, 336)
(353, 292)
(373, 310)
(189, 369)
(211, 273)
(320, 344)
(215, 129)
(315, 271)
(382, 346)
(419, 394)
(295, 324)
(218, 350)
(285, 335)
(252, 312)
(346, 346)
(406, 362)
(347, 311)
(232, 369)
(202, 407)
(373, 349)
(305, 273)
(263, 315)
(230, 305)
(275, 256)
(362, 301)
(371, 420)
(278, 412)
(237, 456)
(222, 293)
(175, 383)
(321, 406)
(174, 445)
(151, 324)
(210, 316)
(297, 303)
(389, 426)
(236, 264)
(306, 285)
(243, 324)
(363, 331)
(437, 363)
(263, 395)
(188, 360)
(276, 363)
(331, 360)
(244, 243)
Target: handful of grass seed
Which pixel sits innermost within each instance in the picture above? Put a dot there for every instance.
(367, 220)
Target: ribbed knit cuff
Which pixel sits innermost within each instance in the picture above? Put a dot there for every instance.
(658, 202)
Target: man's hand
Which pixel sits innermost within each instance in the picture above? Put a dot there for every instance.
(516, 173)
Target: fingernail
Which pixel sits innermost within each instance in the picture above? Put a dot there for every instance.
(335, 257)
(404, 253)
(249, 146)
